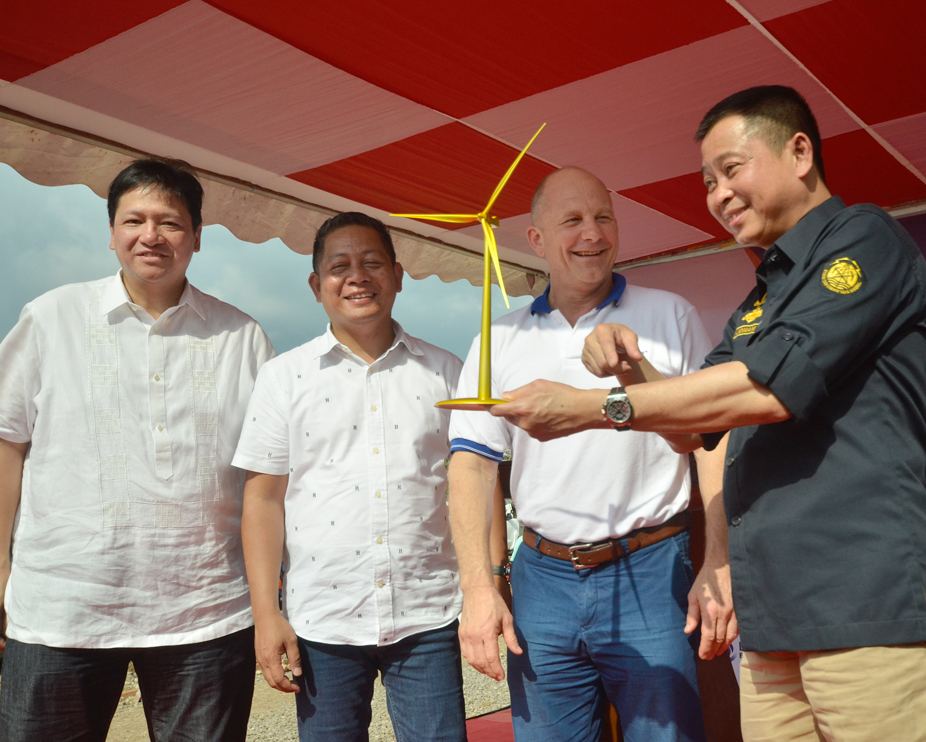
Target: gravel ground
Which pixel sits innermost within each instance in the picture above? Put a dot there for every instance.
(273, 714)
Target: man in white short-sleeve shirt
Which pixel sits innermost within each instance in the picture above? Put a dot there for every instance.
(600, 585)
(346, 486)
(120, 406)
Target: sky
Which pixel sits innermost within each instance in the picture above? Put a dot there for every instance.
(51, 236)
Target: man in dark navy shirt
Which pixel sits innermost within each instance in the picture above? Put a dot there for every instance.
(821, 379)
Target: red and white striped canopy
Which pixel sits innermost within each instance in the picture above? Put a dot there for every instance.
(297, 108)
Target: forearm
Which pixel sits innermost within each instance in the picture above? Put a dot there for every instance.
(498, 534)
(717, 398)
(262, 535)
(710, 599)
(498, 541)
(710, 476)
(472, 482)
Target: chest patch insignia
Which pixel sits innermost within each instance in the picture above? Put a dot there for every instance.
(751, 325)
(842, 276)
(755, 313)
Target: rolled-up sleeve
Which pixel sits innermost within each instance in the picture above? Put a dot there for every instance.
(850, 299)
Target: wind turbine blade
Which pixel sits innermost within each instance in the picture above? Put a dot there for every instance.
(493, 253)
(456, 218)
(504, 180)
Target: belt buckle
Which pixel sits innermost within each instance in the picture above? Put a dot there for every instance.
(574, 554)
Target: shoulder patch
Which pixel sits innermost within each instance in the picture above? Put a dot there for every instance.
(843, 276)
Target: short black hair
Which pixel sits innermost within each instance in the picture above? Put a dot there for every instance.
(174, 178)
(350, 219)
(774, 112)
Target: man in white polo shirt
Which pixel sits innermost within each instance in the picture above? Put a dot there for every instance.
(600, 587)
(346, 485)
(120, 406)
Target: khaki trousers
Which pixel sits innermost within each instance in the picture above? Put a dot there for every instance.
(870, 694)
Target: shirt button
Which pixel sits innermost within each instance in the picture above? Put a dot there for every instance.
(160, 428)
(379, 494)
(375, 450)
(787, 336)
(736, 520)
(373, 408)
(154, 329)
(379, 540)
(731, 460)
(380, 584)
(157, 378)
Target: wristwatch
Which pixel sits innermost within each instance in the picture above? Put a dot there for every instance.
(617, 409)
(502, 570)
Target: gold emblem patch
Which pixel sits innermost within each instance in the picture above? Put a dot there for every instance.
(746, 330)
(750, 319)
(755, 313)
(842, 276)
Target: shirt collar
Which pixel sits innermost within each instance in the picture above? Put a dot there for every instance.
(116, 296)
(541, 305)
(797, 240)
(329, 342)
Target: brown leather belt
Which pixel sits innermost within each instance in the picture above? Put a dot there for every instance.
(592, 554)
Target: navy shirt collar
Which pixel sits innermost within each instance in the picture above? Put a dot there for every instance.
(541, 305)
(797, 240)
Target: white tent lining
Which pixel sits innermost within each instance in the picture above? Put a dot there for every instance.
(52, 155)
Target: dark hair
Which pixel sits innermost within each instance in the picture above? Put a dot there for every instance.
(774, 112)
(174, 178)
(350, 219)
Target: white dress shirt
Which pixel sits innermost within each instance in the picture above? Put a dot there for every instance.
(128, 530)
(368, 553)
(595, 484)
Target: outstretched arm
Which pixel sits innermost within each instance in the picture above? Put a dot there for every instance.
(485, 615)
(12, 456)
(711, 597)
(716, 398)
(262, 534)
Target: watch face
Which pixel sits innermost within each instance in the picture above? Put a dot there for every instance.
(619, 410)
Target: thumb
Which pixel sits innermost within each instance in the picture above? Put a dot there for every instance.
(631, 344)
(511, 639)
(292, 654)
(694, 616)
(513, 394)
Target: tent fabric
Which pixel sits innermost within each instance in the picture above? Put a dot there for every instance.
(302, 109)
(53, 160)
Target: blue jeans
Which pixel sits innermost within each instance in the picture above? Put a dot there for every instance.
(191, 692)
(613, 631)
(423, 676)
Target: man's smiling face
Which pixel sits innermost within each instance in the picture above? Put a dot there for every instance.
(575, 230)
(753, 192)
(154, 239)
(357, 281)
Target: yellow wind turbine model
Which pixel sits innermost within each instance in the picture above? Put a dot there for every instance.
(491, 259)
